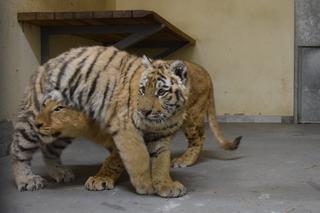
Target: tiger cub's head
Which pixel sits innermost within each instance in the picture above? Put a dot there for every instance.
(57, 120)
(163, 89)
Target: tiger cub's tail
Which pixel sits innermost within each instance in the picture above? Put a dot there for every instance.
(212, 118)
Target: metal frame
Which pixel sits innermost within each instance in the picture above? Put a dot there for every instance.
(137, 34)
(298, 48)
(296, 63)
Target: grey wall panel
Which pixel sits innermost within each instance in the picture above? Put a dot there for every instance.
(307, 16)
(309, 88)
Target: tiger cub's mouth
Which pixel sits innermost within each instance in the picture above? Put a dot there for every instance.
(152, 116)
(56, 134)
(49, 133)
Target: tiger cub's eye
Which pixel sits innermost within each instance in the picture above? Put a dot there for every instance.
(141, 90)
(57, 109)
(161, 92)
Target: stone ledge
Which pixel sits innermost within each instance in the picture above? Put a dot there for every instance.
(255, 119)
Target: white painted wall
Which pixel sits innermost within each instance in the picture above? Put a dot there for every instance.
(247, 46)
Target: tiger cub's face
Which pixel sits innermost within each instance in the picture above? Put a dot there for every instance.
(162, 91)
(58, 120)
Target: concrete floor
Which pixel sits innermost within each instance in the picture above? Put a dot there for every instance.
(276, 170)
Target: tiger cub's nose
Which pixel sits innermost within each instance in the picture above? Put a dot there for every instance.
(39, 125)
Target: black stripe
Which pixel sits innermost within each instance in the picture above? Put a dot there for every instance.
(111, 92)
(172, 126)
(77, 71)
(80, 106)
(74, 87)
(162, 80)
(41, 85)
(93, 87)
(91, 113)
(177, 95)
(135, 125)
(16, 157)
(29, 149)
(29, 114)
(35, 99)
(65, 97)
(152, 137)
(30, 122)
(159, 151)
(104, 98)
(47, 65)
(24, 134)
(123, 59)
(92, 65)
(32, 132)
(116, 102)
(129, 93)
(127, 70)
(162, 76)
(110, 59)
(65, 64)
(52, 151)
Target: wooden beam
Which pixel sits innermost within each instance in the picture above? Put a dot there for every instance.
(170, 50)
(139, 36)
(98, 29)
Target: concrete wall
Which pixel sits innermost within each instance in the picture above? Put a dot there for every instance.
(246, 45)
(20, 44)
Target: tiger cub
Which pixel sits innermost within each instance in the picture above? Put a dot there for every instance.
(200, 105)
(138, 102)
(58, 119)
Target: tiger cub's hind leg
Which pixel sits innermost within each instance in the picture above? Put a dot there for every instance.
(195, 135)
(108, 174)
(51, 155)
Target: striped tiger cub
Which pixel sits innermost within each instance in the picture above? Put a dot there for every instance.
(138, 102)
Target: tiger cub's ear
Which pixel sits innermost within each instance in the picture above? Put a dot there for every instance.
(180, 69)
(146, 61)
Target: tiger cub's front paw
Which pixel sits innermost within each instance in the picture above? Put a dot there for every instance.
(99, 183)
(182, 162)
(145, 189)
(171, 189)
(30, 183)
